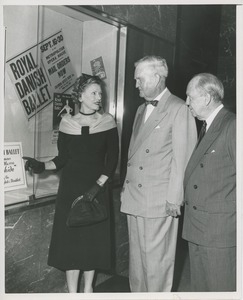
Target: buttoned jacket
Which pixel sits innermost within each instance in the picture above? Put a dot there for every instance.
(210, 186)
(158, 153)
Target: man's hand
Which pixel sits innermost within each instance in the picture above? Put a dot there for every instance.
(173, 210)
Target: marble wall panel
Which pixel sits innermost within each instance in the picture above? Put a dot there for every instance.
(227, 55)
(159, 20)
(163, 20)
(26, 248)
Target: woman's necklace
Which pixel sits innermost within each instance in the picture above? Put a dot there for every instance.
(87, 114)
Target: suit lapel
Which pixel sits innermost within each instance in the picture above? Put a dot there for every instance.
(139, 121)
(210, 136)
(143, 130)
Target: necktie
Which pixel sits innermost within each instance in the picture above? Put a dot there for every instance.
(152, 102)
(202, 132)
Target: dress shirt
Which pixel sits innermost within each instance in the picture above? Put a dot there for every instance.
(210, 119)
(150, 108)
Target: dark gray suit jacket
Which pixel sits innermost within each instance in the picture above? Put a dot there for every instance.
(210, 186)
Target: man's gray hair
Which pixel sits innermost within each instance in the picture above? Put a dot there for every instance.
(158, 63)
(208, 83)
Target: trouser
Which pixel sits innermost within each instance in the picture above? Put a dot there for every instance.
(152, 247)
(212, 269)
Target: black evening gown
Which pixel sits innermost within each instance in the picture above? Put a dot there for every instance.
(83, 158)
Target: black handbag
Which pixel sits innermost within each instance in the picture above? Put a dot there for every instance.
(84, 212)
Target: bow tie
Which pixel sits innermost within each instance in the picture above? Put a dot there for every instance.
(152, 102)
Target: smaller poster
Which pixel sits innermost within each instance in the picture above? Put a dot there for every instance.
(97, 67)
(62, 104)
(14, 173)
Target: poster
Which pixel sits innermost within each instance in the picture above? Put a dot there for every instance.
(97, 67)
(40, 71)
(14, 173)
(62, 104)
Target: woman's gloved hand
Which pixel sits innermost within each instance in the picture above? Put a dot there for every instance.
(92, 192)
(34, 165)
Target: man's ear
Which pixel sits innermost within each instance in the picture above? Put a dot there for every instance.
(158, 78)
(208, 99)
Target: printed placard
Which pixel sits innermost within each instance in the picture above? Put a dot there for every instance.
(14, 173)
(40, 71)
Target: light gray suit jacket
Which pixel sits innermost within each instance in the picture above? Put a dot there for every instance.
(159, 151)
(210, 186)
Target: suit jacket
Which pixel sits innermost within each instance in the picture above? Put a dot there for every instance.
(210, 186)
(158, 153)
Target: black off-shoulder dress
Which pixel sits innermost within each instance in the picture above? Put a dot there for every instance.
(83, 158)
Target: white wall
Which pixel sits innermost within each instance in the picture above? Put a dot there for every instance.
(100, 39)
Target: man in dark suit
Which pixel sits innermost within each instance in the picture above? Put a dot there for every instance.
(210, 190)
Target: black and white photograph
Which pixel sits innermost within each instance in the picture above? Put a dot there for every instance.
(121, 141)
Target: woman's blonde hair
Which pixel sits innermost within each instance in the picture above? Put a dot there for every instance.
(81, 83)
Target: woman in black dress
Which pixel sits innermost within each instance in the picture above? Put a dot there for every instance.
(87, 155)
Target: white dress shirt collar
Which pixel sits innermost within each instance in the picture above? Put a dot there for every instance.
(161, 94)
(150, 108)
(210, 119)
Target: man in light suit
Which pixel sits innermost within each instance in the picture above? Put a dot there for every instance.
(210, 190)
(163, 138)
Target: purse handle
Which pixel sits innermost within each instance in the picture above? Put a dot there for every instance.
(80, 198)
(76, 200)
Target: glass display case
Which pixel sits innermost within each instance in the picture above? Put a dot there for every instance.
(46, 49)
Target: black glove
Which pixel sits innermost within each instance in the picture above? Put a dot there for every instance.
(34, 165)
(92, 192)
